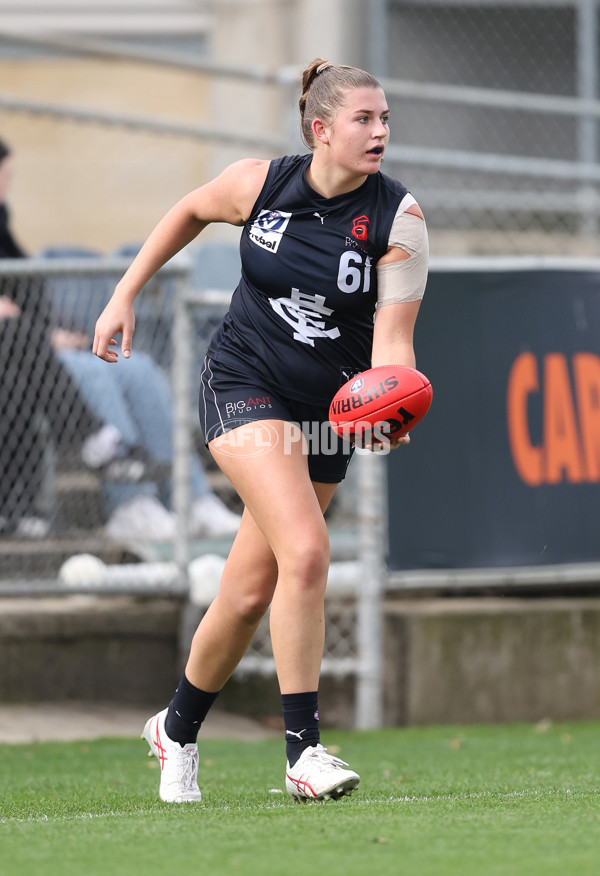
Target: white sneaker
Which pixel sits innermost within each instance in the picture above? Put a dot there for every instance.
(318, 775)
(210, 516)
(102, 446)
(178, 765)
(32, 527)
(141, 519)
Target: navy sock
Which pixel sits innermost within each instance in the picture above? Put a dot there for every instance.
(187, 710)
(301, 719)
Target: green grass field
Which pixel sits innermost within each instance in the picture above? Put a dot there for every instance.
(517, 799)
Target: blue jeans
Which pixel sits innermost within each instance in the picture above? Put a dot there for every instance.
(134, 396)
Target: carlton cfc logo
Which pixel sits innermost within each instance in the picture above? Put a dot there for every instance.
(360, 227)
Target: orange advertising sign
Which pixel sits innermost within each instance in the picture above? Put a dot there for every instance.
(570, 446)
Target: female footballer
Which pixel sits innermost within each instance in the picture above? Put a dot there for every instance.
(334, 265)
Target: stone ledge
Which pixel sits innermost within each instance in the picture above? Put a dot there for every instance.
(461, 660)
(86, 648)
(492, 660)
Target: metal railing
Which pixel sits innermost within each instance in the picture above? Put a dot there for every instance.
(503, 182)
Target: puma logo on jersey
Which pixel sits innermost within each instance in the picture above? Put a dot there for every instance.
(322, 218)
(268, 228)
(304, 313)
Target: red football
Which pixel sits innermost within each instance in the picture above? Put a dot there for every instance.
(388, 400)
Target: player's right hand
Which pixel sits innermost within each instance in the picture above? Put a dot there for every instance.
(115, 319)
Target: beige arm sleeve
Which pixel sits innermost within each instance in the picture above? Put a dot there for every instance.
(405, 279)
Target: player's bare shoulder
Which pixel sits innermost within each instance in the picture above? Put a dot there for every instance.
(231, 195)
(243, 180)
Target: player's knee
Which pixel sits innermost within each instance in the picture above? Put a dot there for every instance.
(251, 602)
(307, 563)
(253, 605)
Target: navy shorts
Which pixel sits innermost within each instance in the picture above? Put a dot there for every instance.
(229, 399)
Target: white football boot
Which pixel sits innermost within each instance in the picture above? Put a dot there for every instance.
(178, 765)
(318, 775)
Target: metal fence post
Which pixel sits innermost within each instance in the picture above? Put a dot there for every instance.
(290, 79)
(587, 88)
(372, 508)
(180, 384)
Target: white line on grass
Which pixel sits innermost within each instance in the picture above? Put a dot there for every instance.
(360, 801)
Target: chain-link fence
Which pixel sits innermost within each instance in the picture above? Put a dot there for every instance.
(496, 119)
(79, 439)
(83, 442)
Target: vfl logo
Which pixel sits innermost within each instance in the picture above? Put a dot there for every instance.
(268, 227)
(360, 227)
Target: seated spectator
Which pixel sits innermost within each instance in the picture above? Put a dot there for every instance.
(135, 398)
(118, 420)
(34, 388)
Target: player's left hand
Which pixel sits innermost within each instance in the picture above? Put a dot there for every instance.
(380, 446)
(399, 442)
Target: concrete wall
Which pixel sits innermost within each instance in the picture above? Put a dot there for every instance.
(446, 661)
(492, 660)
(118, 650)
(95, 184)
(99, 185)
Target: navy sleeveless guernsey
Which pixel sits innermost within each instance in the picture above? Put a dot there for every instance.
(301, 318)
